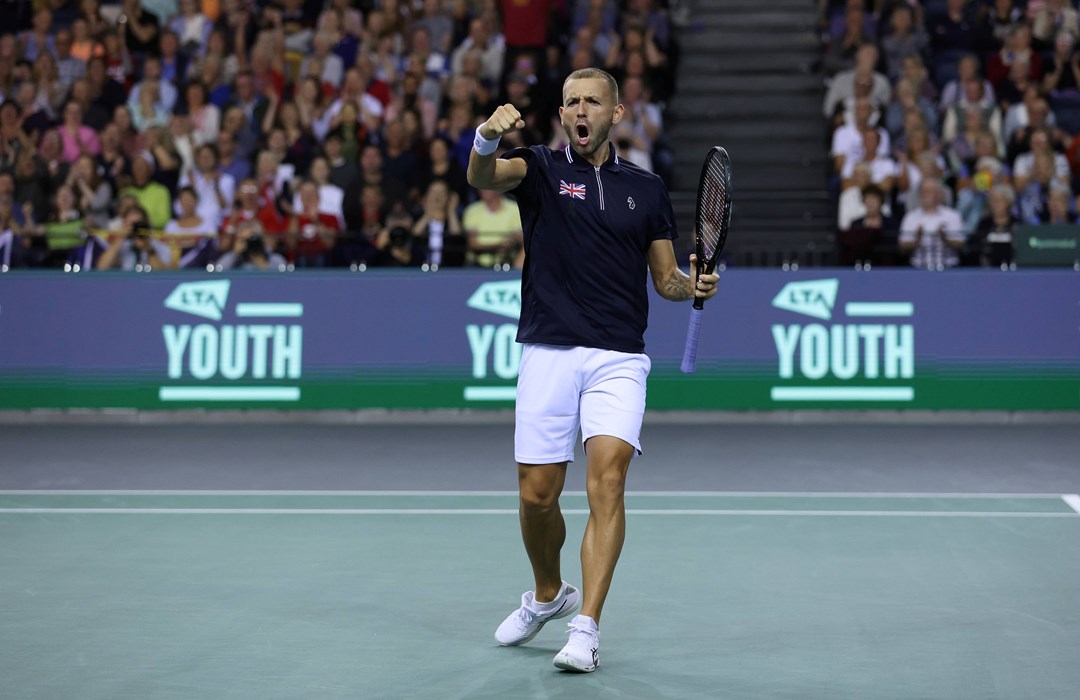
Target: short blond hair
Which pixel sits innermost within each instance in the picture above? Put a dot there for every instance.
(586, 73)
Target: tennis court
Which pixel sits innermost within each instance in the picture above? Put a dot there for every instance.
(290, 560)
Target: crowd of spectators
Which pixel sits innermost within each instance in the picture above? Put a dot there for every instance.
(952, 122)
(306, 133)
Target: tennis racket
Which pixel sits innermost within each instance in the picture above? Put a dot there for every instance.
(713, 221)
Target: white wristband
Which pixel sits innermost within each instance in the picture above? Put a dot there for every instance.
(483, 146)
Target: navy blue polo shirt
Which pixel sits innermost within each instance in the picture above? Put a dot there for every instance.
(587, 234)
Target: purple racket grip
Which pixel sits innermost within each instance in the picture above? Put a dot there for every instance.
(689, 358)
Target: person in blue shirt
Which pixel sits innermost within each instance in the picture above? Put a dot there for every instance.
(595, 227)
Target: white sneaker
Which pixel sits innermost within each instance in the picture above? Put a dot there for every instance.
(580, 653)
(525, 623)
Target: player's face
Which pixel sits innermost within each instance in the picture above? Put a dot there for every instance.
(588, 113)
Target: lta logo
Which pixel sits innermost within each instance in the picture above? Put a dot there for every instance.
(494, 347)
(860, 357)
(231, 361)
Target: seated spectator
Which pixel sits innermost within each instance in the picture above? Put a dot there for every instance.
(251, 251)
(967, 69)
(843, 85)
(331, 197)
(998, 22)
(907, 100)
(51, 92)
(1017, 48)
(166, 95)
(1062, 76)
(1025, 118)
(68, 67)
(106, 93)
(1051, 20)
(1034, 198)
(93, 192)
(343, 172)
(850, 206)
(490, 46)
(148, 112)
(12, 244)
(1018, 82)
(441, 167)
(395, 242)
(882, 167)
(960, 151)
(93, 115)
(174, 63)
(192, 28)
(975, 181)
(858, 241)
(973, 99)
(916, 73)
(333, 68)
(38, 39)
(1024, 164)
(83, 44)
(213, 188)
(992, 243)
(77, 139)
(50, 242)
(847, 38)
(1058, 206)
(847, 140)
(438, 239)
(906, 38)
(310, 235)
(134, 246)
(205, 117)
(956, 29)
(493, 227)
(188, 222)
(153, 198)
(249, 207)
(933, 233)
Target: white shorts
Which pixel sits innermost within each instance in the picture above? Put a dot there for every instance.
(560, 387)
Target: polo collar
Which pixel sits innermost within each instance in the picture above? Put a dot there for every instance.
(579, 163)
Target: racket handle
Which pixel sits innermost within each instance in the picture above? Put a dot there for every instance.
(693, 333)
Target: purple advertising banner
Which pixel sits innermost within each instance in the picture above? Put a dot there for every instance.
(771, 339)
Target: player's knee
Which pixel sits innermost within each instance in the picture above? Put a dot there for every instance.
(607, 483)
(538, 497)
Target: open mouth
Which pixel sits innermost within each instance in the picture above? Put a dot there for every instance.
(582, 134)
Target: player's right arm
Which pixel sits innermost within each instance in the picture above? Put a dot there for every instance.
(491, 172)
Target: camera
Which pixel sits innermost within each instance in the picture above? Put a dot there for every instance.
(399, 237)
(255, 247)
(140, 230)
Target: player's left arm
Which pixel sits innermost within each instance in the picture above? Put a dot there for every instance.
(672, 283)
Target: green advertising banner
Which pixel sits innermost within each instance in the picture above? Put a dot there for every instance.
(838, 339)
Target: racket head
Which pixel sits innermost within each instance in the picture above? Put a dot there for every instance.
(713, 218)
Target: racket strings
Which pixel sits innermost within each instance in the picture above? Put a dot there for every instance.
(714, 207)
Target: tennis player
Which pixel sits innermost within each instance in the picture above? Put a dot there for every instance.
(593, 224)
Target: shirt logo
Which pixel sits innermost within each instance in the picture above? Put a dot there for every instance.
(630, 202)
(571, 189)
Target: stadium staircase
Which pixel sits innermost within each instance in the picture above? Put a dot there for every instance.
(746, 82)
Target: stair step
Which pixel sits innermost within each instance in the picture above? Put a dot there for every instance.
(708, 131)
(722, 18)
(733, 6)
(722, 85)
(719, 42)
(694, 64)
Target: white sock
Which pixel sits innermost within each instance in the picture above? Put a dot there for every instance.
(550, 605)
(585, 621)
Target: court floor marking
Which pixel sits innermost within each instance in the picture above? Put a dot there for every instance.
(1072, 500)
(514, 511)
(495, 494)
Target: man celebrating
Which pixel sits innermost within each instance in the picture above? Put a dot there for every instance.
(592, 225)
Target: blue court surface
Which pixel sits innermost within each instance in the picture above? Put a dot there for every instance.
(119, 582)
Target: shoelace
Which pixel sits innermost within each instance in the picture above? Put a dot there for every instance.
(582, 635)
(527, 616)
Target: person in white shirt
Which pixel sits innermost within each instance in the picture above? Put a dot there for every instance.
(847, 140)
(933, 233)
(215, 189)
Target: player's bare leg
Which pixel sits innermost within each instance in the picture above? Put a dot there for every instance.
(609, 460)
(542, 527)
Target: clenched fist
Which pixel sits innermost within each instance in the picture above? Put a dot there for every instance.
(505, 119)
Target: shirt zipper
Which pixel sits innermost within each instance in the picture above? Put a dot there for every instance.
(601, 186)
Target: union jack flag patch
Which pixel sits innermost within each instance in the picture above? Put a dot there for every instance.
(571, 189)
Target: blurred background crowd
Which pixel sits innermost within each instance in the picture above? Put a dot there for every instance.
(303, 133)
(952, 122)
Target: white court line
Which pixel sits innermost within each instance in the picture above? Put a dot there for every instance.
(1072, 500)
(495, 494)
(514, 511)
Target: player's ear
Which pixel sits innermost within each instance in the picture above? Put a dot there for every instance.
(616, 117)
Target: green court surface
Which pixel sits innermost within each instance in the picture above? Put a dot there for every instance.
(396, 595)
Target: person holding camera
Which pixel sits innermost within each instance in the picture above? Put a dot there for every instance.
(133, 246)
(440, 240)
(250, 251)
